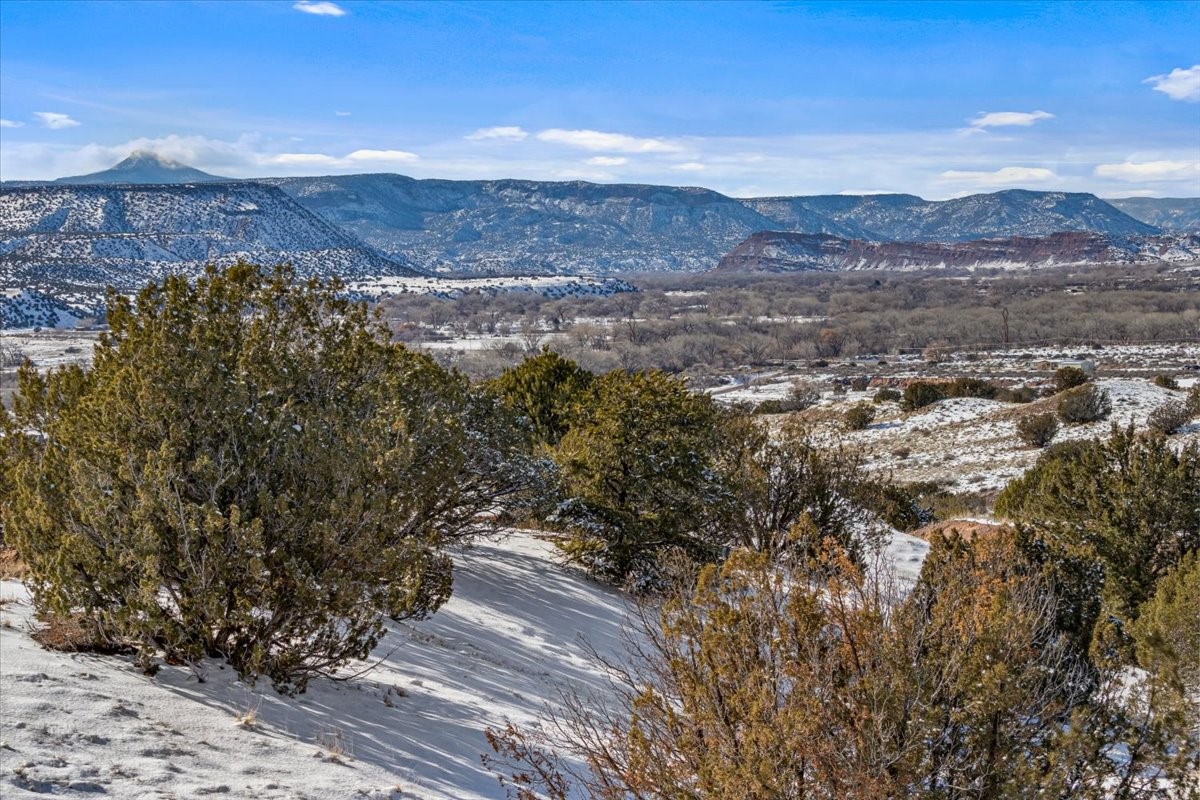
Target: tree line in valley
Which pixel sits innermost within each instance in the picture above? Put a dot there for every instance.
(698, 325)
(252, 469)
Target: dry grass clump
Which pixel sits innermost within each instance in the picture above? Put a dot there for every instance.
(74, 634)
(12, 568)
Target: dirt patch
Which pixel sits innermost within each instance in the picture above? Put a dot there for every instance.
(968, 529)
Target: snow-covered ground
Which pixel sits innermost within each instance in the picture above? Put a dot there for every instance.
(84, 725)
(547, 285)
(971, 444)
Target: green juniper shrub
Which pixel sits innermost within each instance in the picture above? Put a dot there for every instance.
(249, 470)
(970, 387)
(886, 395)
(1083, 404)
(920, 394)
(637, 474)
(1169, 417)
(1068, 378)
(1192, 403)
(543, 389)
(1109, 518)
(1037, 430)
(858, 416)
(1166, 381)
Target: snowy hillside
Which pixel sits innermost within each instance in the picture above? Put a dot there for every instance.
(545, 285)
(1168, 213)
(512, 633)
(70, 242)
(21, 308)
(586, 228)
(906, 217)
(531, 226)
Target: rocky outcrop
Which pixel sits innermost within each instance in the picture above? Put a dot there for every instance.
(783, 251)
(906, 217)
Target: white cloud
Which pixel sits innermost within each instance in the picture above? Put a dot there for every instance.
(358, 157)
(607, 161)
(321, 8)
(388, 156)
(508, 133)
(1150, 171)
(1178, 84)
(599, 140)
(1005, 176)
(302, 158)
(55, 121)
(11, 123)
(341, 113)
(688, 166)
(1001, 119)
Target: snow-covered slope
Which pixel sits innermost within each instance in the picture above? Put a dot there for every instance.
(70, 242)
(906, 217)
(412, 728)
(21, 308)
(518, 226)
(1168, 213)
(511, 634)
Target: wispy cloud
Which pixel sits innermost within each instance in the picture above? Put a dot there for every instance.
(358, 157)
(341, 113)
(1178, 84)
(1136, 172)
(688, 166)
(600, 140)
(507, 133)
(11, 123)
(321, 8)
(1002, 119)
(1005, 176)
(739, 166)
(55, 120)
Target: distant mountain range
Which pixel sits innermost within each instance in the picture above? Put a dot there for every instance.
(143, 166)
(1168, 213)
(147, 216)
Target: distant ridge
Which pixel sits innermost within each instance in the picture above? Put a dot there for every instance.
(785, 251)
(144, 166)
(1168, 213)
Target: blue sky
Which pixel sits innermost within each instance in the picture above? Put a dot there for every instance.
(938, 99)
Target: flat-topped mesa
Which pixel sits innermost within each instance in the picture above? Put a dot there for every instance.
(784, 251)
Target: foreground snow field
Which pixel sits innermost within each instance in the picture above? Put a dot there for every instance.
(81, 725)
(84, 726)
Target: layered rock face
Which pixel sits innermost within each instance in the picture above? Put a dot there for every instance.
(784, 251)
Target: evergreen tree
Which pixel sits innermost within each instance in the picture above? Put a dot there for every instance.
(248, 470)
(636, 467)
(543, 389)
(1108, 518)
